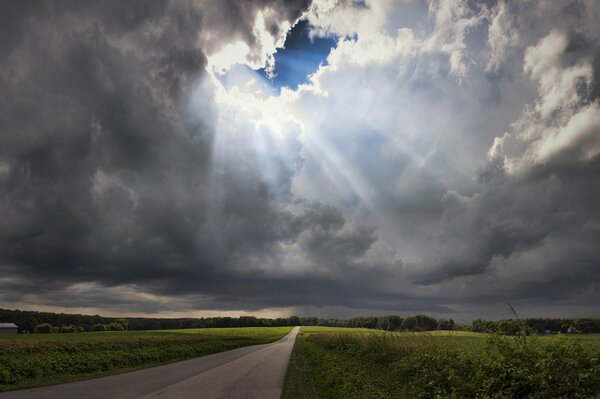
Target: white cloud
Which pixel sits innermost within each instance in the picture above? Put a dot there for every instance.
(581, 135)
(503, 35)
(229, 55)
(251, 39)
(344, 19)
(380, 126)
(453, 20)
(560, 120)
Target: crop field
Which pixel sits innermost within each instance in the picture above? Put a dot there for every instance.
(30, 360)
(343, 363)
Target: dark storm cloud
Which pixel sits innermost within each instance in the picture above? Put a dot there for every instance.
(106, 176)
(92, 91)
(544, 218)
(517, 215)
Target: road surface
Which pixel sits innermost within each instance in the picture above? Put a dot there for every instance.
(251, 372)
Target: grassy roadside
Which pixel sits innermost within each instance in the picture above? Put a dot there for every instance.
(340, 363)
(34, 360)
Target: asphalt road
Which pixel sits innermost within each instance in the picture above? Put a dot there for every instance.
(251, 372)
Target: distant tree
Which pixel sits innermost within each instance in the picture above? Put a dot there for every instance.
(483, 326)
(114, 326)
(419, 323)
(100, 327)
(444, 324)
(395, 323)
(65, 329)
(309, 321)
(43, 328)
(389, 323)
(123, 323)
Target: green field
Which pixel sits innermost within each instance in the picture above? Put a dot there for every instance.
(30, 360)
(345, 363)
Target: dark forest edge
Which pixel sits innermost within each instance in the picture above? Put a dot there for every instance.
(46, 322)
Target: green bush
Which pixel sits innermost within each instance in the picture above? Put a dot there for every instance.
(43, 328)
(426, 366)
(506, 368)
(100, 327)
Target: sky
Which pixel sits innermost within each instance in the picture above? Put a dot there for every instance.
(300, 56)
(330, 158)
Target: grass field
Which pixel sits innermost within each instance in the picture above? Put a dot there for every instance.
(345, 363)
(30, 360)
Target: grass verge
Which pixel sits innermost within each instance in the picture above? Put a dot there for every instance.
(34, 360)
(344, 364)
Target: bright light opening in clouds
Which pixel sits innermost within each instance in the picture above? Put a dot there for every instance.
(231, 54)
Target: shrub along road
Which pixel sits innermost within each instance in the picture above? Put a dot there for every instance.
(354, 363)
(250, 372)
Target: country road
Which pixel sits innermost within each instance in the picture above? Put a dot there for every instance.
(251, 372)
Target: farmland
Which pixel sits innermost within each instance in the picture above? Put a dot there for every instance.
(30, 360)
(343, 363)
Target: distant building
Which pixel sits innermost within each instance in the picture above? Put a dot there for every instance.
(8, 328)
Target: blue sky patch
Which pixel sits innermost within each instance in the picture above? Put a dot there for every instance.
(300, 57)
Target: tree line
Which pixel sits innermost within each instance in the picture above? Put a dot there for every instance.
(48, 322)
(32, 321)
(45, 322)
(584, 325)
(117, 325)
(388, 323)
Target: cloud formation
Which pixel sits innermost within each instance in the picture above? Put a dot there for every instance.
(445, 159)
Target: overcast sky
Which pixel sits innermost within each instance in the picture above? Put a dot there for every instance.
(441, 157)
